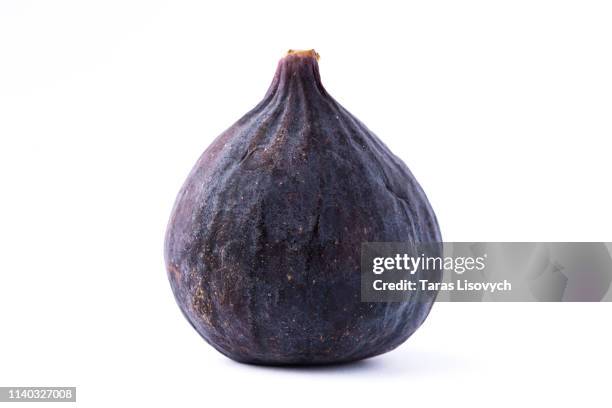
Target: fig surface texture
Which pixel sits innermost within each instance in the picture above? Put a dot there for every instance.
(263, 244)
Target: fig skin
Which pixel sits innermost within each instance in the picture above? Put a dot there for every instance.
(263, 244)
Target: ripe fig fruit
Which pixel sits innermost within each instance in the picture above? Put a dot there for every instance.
(263, 244)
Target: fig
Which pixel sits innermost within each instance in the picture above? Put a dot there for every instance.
(263, 244)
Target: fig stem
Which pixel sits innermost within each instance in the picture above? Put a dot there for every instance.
(304, 53)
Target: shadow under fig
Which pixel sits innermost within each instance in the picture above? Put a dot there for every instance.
(398, 362)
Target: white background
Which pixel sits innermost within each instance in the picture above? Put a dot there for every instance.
(502, 109)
